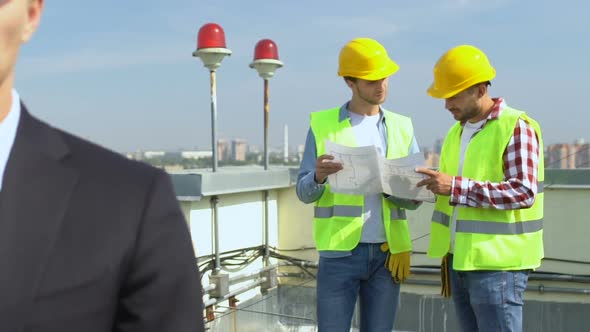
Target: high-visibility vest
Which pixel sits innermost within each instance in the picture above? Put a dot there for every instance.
(488, 238)
(338, 218)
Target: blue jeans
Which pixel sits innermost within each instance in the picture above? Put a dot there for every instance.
(488, 300)
(341, 280)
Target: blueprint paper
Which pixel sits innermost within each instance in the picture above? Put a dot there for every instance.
(365, 171)
(360, 169)
(399, 178)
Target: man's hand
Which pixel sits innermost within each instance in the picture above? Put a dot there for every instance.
(324, 166)
(438, 183)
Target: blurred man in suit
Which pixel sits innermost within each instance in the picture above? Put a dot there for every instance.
(89, 241)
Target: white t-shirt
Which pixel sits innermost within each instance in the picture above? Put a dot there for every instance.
(366, 132)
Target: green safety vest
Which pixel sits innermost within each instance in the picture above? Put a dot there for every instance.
(488, 238)
(338, 218)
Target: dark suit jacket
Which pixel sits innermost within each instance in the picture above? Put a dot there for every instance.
(91, 241)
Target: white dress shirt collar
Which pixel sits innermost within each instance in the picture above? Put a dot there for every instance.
(8, 129)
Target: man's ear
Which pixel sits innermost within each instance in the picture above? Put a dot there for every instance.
(348, 82)
(34, 10)
(482, 89)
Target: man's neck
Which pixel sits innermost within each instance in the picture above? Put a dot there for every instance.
(362, 107)
(486, 109)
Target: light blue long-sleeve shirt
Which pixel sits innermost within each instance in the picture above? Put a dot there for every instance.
(310, 191)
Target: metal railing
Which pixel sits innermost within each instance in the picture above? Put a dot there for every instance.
(219, 291)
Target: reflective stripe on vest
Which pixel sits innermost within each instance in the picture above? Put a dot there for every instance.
(441, 218)
(489, 227)
(499, 228)
(351, 211)
(338, 211)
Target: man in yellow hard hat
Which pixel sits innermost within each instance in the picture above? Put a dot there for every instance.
(488, 218)
(363, 241)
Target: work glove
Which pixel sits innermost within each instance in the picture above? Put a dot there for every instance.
(445, 278)
(398, 264)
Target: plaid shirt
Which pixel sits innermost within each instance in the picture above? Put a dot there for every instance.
(519, 187)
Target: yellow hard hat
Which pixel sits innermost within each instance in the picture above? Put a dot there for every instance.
(366, 59)
(458, 69)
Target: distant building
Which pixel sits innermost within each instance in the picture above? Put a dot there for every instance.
(196, 154)
(583, 155)
(437, 148)
(172, 168)
(153, 154)
(432, 159)
(560, 156)
(223, 150)
(286, 145)
(138, 155)
(300, 150)
(238, 150)
(254, 149)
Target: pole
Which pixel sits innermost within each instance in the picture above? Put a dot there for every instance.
(266, 244)
(213, 120)
(266, 116)
(266, 161)
(214, 201)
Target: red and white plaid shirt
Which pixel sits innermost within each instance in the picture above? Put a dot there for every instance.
(519, 187)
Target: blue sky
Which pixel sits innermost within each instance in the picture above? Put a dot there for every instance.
(121, 72)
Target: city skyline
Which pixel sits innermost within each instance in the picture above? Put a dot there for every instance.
(133, 83)
(560, 156)
(277, 147)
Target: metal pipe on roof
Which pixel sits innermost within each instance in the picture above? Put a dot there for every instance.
(236, 292)
(559, 277)
(208, 288)
(533, 276)
(540, 288)
(566, 290)
(243, 277)
(215, 222)
(530, 287)
(266, 228)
